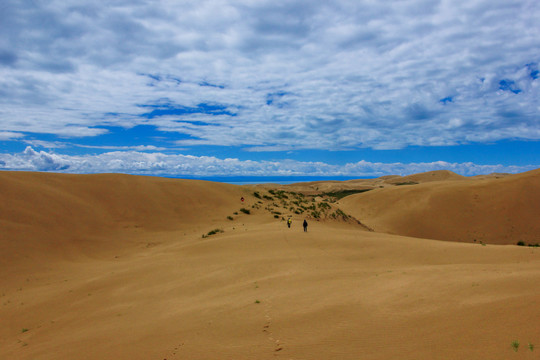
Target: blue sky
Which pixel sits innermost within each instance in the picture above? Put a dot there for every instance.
(208, 88)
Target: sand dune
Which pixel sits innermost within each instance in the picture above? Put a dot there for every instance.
(438, 175)
(50, 216)
(494, 210)
(126, 267)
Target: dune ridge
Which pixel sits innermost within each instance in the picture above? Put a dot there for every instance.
(126, 267)
(46, 216)
(493, 210)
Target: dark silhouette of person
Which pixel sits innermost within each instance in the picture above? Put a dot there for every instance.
(305, 225)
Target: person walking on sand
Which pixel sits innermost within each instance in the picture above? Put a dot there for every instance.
(305, 225)
(289, 222)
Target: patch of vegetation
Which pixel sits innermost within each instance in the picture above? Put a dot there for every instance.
(342, 193)
(407, 183)
(245, 211)
(230, 218)
(339, 214)
(324, 206)
(522, 243)
(515, 345)
(212, 232)
(280, 194)
(268, 197)
(24, 330)
(257, 195)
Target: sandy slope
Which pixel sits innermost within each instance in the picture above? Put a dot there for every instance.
(493, 210)
(138, 280)
(50, 216)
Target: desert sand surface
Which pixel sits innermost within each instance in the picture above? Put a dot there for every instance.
(494, 210)
(128, 267)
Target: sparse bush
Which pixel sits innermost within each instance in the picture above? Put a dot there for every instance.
(336, 195)
(257, 195)
(230, 218)
(212, 232)
(515, 345)
(520, 243)
(245, 211)
(324, 205)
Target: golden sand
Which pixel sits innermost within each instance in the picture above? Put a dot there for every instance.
(129, 267)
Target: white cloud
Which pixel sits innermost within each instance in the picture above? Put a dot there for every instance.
(144, 163)
(8, 135)
(303, 74)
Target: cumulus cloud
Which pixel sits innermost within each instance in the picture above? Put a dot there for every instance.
(298, 74)
(144, 163)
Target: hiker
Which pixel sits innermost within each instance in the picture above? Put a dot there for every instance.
(305, 225)
(289, 222)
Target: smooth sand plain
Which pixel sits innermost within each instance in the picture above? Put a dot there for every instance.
(128, 267)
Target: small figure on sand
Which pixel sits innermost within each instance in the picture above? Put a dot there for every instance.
(242, 199)
(289, 222)
(305, 225)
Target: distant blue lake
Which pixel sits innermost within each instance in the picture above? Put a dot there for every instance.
(282, 180)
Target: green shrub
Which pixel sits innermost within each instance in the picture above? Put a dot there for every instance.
(324, 205)
(212, 232)
(245, 211)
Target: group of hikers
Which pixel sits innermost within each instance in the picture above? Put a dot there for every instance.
(305, 225)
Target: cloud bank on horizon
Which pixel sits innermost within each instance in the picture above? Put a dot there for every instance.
(265, 79)
(160, 164)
